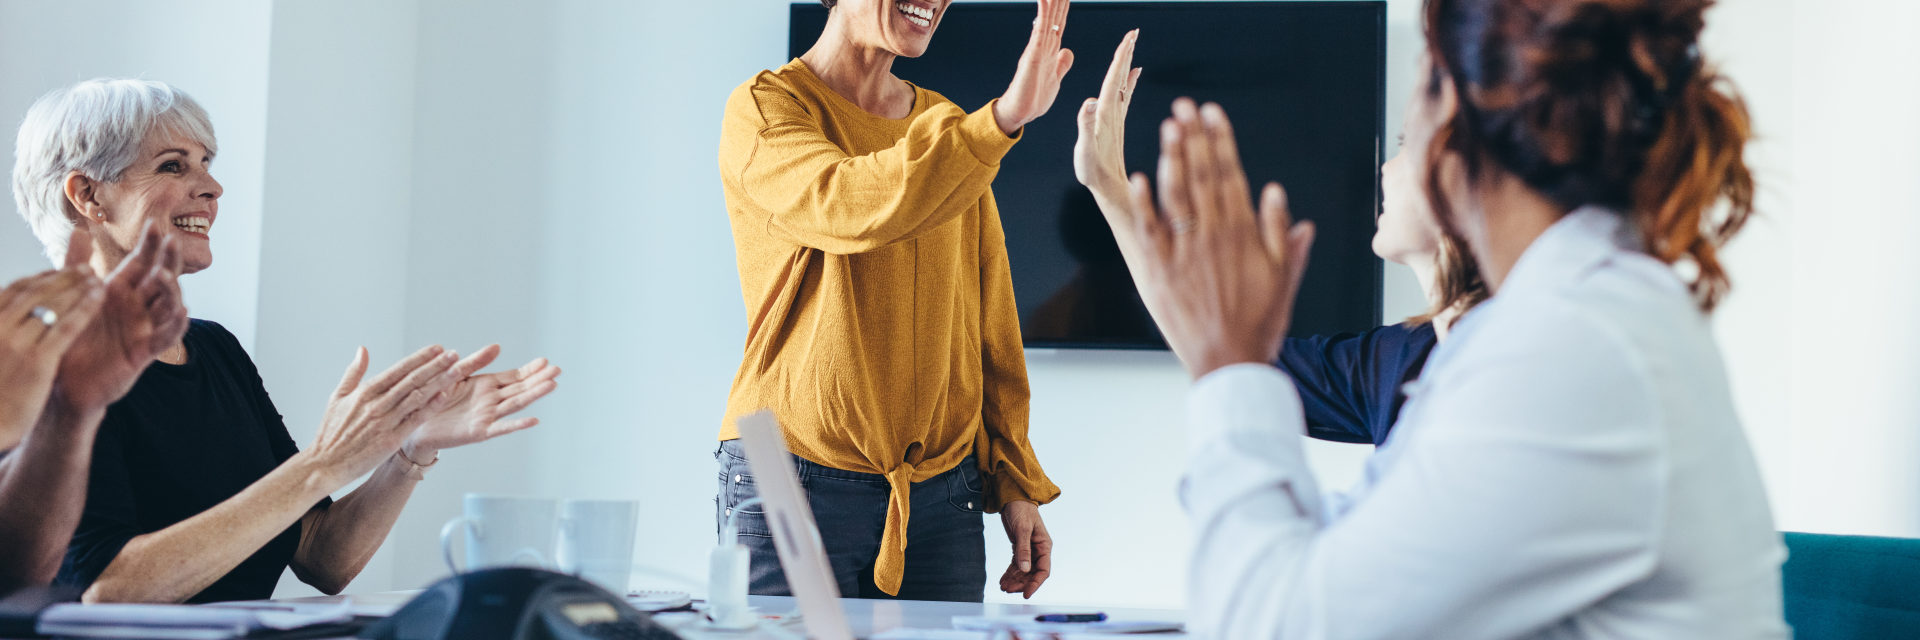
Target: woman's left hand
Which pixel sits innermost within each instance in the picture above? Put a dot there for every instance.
(1032, 548)
(476, 408)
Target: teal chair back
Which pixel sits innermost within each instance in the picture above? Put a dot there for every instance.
(1851, 587)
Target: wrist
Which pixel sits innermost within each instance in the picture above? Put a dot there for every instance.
(414, 468)
(63, 400)
(317, 477)
(419, 455)
(1208, 363)
(1009, 124)
(1110, 192)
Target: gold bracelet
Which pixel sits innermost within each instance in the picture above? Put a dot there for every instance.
(416, 470)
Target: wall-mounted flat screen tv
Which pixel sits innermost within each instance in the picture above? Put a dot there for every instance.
(1303, 81)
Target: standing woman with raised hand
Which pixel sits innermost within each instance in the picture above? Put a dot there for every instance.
(1569, 464)
(881, 321)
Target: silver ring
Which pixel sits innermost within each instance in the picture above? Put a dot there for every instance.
(45, 316)
(1182, 225)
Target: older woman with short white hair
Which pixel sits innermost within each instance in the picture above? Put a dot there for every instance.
(197, 493)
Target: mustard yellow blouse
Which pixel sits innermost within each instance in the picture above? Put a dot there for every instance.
(881, 322)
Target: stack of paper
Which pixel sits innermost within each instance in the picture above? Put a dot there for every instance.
(179, 622)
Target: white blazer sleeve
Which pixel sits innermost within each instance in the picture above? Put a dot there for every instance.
(1530, 489)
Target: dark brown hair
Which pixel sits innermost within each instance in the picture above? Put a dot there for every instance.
(1601, 102)
(829, 3)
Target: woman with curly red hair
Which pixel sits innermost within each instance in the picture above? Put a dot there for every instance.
(1569, 463)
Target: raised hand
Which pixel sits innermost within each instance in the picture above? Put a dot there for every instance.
(366, 423)
(475, 409)
(1099, 156)
(1037, 81)
(1219, 280)
(31, 348)
(141, 316)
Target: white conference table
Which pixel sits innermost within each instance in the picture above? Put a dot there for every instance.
(867, 617)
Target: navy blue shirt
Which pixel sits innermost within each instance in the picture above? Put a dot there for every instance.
(186, 438)
(1350, 382)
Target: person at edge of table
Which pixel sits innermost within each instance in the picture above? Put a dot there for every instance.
(73, 343)
(1351, 384)
(882, 329)
(196, 491)
(1569, 464)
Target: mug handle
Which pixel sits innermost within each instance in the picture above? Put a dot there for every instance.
(446, 540)
(539, 559)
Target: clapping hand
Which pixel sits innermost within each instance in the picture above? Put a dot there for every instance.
(1099, 156)
(475, 409)
(141, 316)
(40, 318)
(1037, 81)
(366, 423)
(1219, 279)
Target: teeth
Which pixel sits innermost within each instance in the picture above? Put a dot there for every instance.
(193, 224)
(916, 14)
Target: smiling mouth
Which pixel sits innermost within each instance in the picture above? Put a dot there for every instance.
(916, 14)
(193, 224)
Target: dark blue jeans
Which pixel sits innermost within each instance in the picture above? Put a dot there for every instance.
(946, 533)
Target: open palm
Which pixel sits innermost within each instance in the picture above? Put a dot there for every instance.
(477, 407)
(1037, 80)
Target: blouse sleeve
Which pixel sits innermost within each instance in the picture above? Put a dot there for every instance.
(814, 194)
(1534, 492)
(1350, 383)
(1327, 372)
(1013, 469)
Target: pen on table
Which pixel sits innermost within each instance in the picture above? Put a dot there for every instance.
(1071, 617)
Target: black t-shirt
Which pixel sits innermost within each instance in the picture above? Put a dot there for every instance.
(186, 438)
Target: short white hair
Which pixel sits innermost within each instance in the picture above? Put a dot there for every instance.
(94, 127)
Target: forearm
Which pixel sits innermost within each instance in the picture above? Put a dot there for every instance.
(340, 540)
(816, 195)
(43, 489)
(173, 564)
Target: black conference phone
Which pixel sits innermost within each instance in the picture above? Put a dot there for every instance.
(517, 604)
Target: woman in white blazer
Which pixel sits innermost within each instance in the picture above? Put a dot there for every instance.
(1569, 464)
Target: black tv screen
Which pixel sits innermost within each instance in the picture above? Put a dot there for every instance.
(1303, 81)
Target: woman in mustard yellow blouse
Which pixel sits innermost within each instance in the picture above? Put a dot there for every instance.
(881, 321)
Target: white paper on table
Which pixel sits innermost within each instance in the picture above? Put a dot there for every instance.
(1028, 624)
(159, 621)
(905, 633)
(294, 615)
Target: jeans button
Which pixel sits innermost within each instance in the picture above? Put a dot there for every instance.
(969, 505)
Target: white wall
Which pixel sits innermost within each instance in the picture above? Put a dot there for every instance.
(214, 49)
(541, 174)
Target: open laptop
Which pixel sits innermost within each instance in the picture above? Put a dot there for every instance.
(795, 536)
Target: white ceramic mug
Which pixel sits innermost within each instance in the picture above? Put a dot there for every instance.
(596, 541)
(503, 531)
